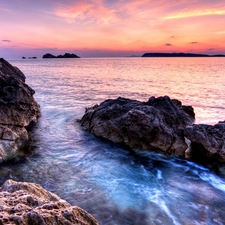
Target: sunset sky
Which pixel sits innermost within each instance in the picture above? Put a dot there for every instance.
(91, 28)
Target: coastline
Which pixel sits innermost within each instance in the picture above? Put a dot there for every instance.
(180, 54)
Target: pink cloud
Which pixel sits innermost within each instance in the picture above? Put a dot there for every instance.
(119, 25)
(87, 12)
(5, 10)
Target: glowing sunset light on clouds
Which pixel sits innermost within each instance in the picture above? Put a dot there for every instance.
(111, 28)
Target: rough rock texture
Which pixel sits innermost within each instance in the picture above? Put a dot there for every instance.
(154, 125)
(17, 110)
(29, 204)
(207, 141)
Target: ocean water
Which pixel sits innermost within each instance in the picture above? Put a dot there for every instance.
(115, 185)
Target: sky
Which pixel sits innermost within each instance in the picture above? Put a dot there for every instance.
(108, 28)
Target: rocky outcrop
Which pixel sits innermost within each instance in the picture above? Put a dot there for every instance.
(207, 141)
(17, 110)
(66, 55)
(29, 204)
(160, 124)
(153, 125)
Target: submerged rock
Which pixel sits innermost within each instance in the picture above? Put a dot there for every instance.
(153, 125)
(207, 141)
(24, 203)
(18, 110)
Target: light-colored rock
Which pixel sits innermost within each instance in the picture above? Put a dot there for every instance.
(24, 203)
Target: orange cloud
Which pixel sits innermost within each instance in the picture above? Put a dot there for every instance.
(221, 32)
(195, 13)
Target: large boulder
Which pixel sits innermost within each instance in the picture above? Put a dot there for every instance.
(18, 110)
(153, 125)
(24, 203)
(207, 142)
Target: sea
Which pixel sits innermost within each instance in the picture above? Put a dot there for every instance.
(115, 185)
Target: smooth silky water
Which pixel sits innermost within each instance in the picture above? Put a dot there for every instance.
(115, 185)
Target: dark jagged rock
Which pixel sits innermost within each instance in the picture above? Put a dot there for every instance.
(207, 142)
(66, 55)
(24, 203)
(17, 110)
(154, 125)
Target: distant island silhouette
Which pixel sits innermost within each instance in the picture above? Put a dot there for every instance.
(34, 57)
(66, 55)
(180, 54)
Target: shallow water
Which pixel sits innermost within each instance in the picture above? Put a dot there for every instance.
(113, 184)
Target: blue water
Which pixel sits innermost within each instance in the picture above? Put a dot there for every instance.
(113, 184)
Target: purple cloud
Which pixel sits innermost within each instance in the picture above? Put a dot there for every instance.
(6, 40)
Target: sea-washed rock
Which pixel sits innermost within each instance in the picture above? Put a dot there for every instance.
(153, 125)
(24, 203)
(18, 109)
(207, 141)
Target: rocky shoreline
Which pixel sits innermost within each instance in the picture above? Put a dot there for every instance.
(153, 125)
(161, 124)
(24, 203)
(18, 110)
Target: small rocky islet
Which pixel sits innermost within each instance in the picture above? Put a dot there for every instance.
(65, 56)
(161, 124)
